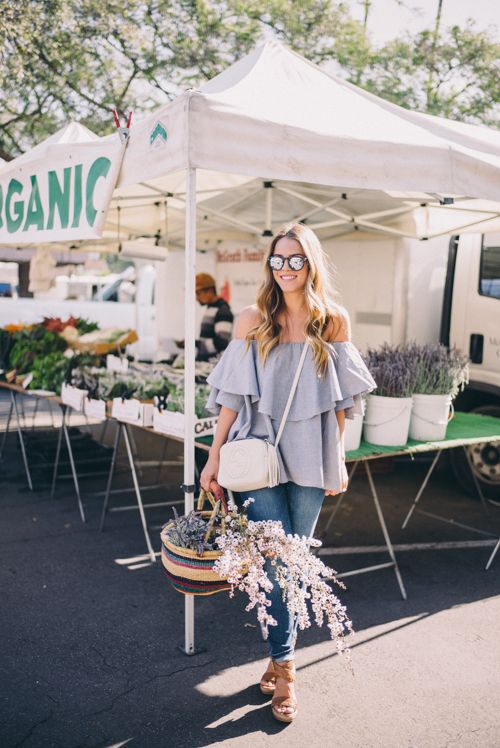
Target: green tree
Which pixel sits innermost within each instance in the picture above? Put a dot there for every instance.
(81, 58)
(456, 75)
(63, 59)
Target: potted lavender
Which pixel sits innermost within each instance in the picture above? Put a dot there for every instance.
(438, 375)
(388, 408)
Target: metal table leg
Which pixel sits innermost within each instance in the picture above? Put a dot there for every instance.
(110, 476)
(337, 505)
(474, 478)
(4, 439)
(421, 489)
(21, 439)
(56, 463)
(64, 409)
(138, 492)
(375, 567)
(446, 519)
(384, 529)
(35, 411)
(494, 553)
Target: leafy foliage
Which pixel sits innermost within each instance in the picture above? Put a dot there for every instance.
(31, 343)
(457, 76)
(6, 342)
(62, 59)
(49, 372)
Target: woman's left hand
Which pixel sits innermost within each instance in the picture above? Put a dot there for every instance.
(334, 493)
(344, 483)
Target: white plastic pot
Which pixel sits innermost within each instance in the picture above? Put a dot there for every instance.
(430, 416)
(352, 432)
(387, 420)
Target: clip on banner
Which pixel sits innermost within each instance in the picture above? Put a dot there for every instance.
(124, 132)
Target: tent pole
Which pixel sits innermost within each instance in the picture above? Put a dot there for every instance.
(189, 374)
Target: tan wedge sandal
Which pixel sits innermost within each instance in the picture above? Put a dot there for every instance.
(284, 670)
(268, 681)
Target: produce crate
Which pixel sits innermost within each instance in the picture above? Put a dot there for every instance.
(133, 411)
(92, 342)
(95, 409)
(73, 396)
(171, 422)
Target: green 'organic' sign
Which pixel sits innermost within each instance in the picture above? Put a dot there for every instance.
(68, 194)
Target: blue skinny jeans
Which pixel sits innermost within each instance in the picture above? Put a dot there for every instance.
(298, 508)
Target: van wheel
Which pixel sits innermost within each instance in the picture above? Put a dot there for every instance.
(485, 460)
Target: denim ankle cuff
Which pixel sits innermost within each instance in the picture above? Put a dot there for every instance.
(284, 658)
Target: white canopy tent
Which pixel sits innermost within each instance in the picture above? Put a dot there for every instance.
(274, 115)
(342, 158)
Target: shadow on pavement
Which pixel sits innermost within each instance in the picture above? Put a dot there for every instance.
(90, 646)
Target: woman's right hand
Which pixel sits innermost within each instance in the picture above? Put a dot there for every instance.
(208, 477)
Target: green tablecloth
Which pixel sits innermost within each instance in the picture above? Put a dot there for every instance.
(464, 428)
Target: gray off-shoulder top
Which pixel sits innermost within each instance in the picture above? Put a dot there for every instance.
(309, 451)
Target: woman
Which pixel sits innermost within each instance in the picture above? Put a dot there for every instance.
(250, 386)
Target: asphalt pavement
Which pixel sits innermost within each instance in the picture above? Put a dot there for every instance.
(90, 628)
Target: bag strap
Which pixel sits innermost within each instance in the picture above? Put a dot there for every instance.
(292, 393)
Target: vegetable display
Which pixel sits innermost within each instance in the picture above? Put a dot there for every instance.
(144, 382)
(71, 351)
(31, 343)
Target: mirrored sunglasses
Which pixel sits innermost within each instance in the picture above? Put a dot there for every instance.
(295, 262)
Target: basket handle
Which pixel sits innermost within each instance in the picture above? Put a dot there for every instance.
(204, 494)
(218, 509)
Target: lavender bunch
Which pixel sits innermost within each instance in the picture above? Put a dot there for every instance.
(437, 370)
(389, 367)
(189, 531)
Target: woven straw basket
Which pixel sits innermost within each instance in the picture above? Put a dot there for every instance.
(188, 572)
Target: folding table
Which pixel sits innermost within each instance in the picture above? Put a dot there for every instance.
(463, 429)
(124, 429)
(15, 392)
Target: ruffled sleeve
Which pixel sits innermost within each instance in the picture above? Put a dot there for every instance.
(233, 377)
(354, 378)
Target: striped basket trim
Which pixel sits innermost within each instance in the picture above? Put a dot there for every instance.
(190, 569)
(190, 563)
(195, 588)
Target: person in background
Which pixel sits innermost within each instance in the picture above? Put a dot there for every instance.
(217, 323)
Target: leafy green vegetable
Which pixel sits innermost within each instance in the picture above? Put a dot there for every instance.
(6, 342)
(85, 325)
(30, 344)
(49, 372)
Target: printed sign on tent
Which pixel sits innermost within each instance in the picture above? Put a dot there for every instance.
(239, 273)
(60, 193)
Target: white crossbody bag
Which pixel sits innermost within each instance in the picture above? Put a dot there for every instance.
(248, 464)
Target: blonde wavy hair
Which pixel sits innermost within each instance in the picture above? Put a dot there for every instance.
(318, 292)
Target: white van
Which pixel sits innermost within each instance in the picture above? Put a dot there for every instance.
(445, 290)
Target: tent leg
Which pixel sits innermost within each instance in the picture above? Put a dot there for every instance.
(189, 374)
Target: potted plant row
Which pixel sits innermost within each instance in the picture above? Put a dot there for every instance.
(416, 386)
